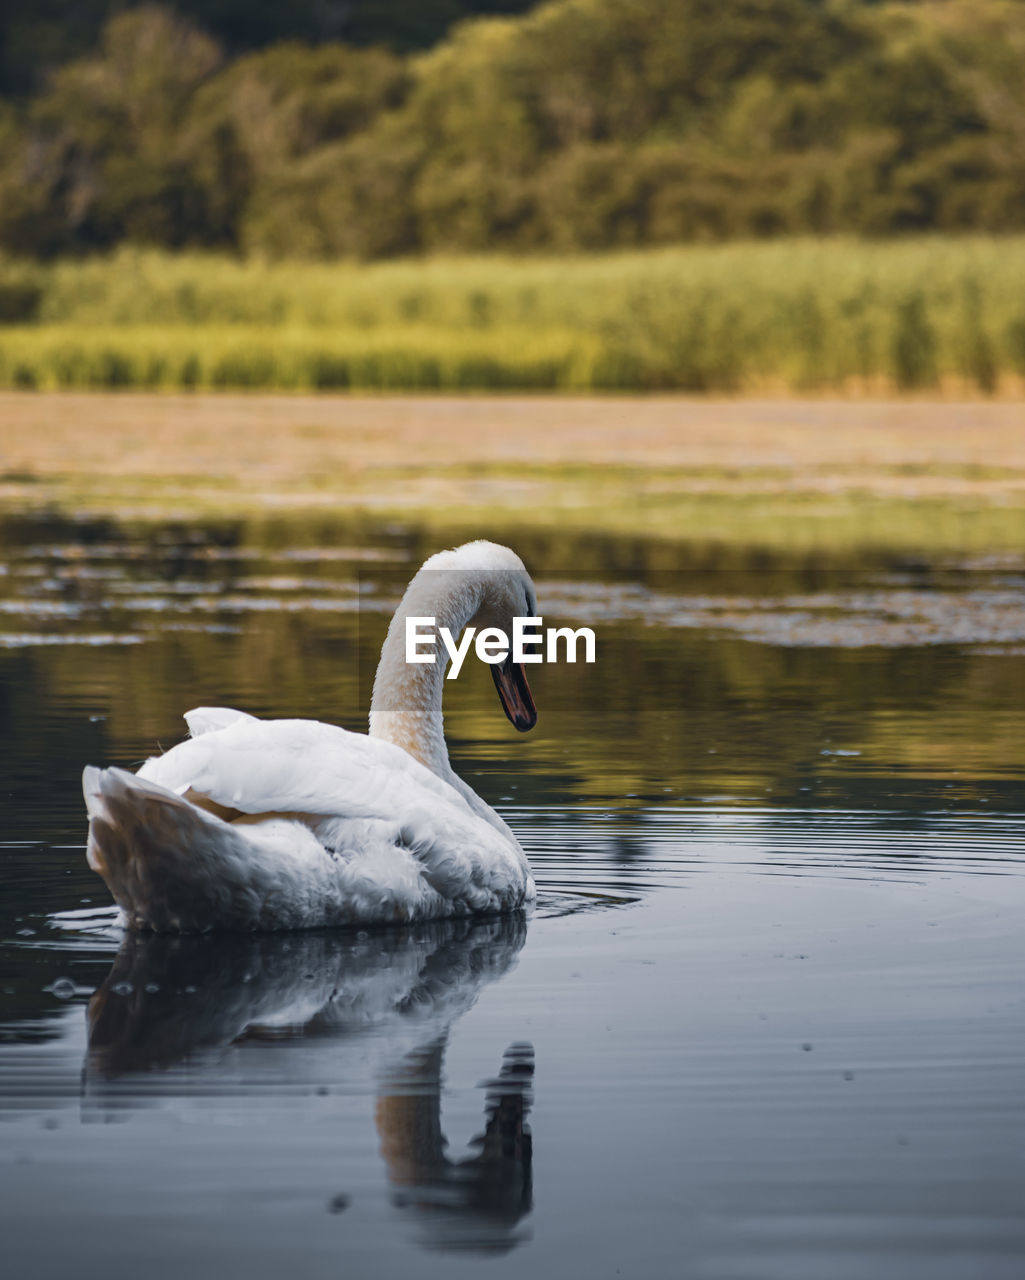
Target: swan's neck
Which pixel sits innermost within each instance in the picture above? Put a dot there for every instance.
(406, 706)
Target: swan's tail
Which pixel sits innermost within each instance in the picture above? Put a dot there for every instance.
(174, 868)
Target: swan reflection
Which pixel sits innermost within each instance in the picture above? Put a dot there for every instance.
(493, 1187)
(201, 1009)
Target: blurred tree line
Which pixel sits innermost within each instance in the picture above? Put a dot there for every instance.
(579, 124)
(38, 36)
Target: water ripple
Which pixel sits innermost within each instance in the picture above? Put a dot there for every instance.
(610, 852)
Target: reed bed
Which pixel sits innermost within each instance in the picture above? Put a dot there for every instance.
(802, 315)
(60, 357)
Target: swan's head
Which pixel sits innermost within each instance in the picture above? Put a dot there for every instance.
(494, 587)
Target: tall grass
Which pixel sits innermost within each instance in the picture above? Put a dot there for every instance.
(798, 315)
(59, 357)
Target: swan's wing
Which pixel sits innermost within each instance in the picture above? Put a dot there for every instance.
(299, 766)
(207, 719)
(380, 837)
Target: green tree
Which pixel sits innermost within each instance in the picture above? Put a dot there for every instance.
(99, 157)
(579, 124)
(39, 36)
(260, 137)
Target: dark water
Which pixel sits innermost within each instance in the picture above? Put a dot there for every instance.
(767, 1021)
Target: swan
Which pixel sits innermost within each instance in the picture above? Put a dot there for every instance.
(287, 824)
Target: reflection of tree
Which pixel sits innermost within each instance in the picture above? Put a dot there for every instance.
(766, 710)
(174, 1004)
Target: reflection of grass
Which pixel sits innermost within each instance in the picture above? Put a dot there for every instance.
(781, 474)
(780, 520)
(795, 521)
(920, 713)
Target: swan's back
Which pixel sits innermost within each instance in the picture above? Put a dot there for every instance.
(287, 824)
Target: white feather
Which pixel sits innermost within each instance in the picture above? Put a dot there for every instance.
(205, 719)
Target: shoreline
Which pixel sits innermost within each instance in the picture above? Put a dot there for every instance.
(786, 471)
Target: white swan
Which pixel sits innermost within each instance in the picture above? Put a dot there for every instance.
(285, 824)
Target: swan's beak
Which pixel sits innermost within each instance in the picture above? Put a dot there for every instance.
(511, 682)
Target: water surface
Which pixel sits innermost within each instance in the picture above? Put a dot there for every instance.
(767, 1020)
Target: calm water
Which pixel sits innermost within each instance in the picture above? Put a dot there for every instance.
(767, 1020)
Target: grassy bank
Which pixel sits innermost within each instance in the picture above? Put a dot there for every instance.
(932, 477)
(806, 316)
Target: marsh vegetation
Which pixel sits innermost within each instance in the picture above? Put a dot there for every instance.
(802, 316)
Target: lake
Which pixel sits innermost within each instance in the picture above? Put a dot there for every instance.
(766, 1021)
